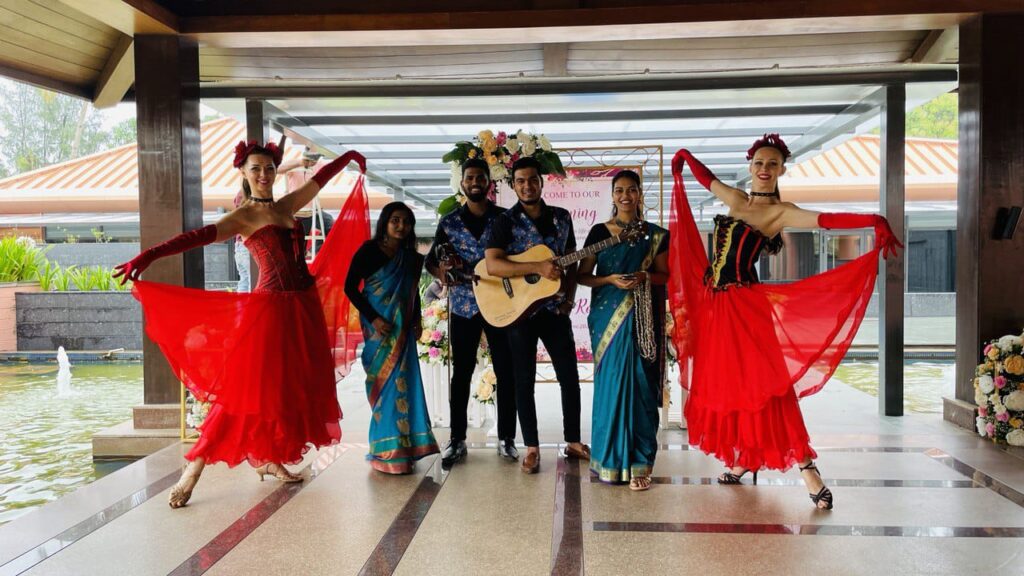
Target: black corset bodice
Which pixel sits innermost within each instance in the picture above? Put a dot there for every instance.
(737, 247)
(281, 256)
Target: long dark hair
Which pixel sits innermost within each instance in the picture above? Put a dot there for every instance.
(382, 224)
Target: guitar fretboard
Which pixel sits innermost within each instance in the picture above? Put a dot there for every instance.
(587, 251)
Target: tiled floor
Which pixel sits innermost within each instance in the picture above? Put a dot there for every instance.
(914, 495)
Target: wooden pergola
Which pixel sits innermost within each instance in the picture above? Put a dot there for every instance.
(167, 54)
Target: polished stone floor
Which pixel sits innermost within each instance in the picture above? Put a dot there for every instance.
(914, 495)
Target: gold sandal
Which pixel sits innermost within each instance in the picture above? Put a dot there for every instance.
(640, 483)
(279, 472)
(179, 496)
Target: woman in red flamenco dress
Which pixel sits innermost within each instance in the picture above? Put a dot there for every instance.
(266, 360)
(757, 348)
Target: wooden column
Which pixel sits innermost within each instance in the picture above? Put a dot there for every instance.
(170, 180)
(891, 277)
(989, 277)
(257, 127)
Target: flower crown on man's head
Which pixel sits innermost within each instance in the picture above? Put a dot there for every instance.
(771, 141)
(244, 149)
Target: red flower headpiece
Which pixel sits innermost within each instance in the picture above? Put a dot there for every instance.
(244, 149)
(772, 141)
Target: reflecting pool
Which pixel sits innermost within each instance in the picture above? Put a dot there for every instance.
(46, 439)
(924, 382)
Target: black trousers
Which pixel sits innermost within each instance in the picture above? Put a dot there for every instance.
(555, 331)
(465, 341)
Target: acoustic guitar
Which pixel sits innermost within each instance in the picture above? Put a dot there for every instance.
(504, 301)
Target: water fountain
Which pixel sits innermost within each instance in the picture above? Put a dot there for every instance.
(63, 373)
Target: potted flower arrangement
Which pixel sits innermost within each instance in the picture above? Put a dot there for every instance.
(433, 343)
(500, 151)
(999, 391)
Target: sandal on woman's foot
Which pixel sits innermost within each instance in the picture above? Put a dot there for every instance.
(277, 471)
(730, 478)
(640, 483)
(179, 495)
(824, 495)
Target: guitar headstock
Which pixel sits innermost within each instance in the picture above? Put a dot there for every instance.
(633, 231)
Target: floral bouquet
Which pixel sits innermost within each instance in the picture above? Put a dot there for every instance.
(999, 391)
(433, 343)
(196, 411)
(486, 386)
(500, 152)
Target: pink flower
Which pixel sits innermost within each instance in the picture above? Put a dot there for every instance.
(1003, 416)
(986, 349)
(515, 157)
(502, 138)
(990, 429)
(983, 411)
(435, 352)
(1000, 382)
(436, 335)
(428, 312)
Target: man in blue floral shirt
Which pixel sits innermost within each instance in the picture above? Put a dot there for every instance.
(466, 232)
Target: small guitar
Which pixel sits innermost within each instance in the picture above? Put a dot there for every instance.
(504, 301)
(456, 273)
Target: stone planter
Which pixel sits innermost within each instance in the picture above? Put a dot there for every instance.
(8, 314)
(78, 321)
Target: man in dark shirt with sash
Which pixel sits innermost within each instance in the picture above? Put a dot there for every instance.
(466, 231)
(529, 223)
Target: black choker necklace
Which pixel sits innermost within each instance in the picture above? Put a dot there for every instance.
(620, 223)
(765, 194)
(261, 200)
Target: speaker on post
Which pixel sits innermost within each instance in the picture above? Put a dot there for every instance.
(1006, 222)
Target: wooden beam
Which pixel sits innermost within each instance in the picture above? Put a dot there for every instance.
(170, 179)
(892, 192)
(556, 59)
(937, 46)
(45, 82)
(129, 17)
(118, 75)
(989, 290)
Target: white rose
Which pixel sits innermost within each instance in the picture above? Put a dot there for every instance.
(456, 181)
(1015, 401)
(1006, 343)
(529, 147)
(498, 172)
(979, 423)
(521, 138)
(999, 408)
(545, 144)
(442, 326)
(1015, 438)
(986, 384)
(980, 398)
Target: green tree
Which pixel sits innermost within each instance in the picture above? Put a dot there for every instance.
(937, 118)
(42, 128)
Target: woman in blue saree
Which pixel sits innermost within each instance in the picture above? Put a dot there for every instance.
(627, 335)
(389, 268)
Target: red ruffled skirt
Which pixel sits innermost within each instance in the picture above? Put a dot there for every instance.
(262, 359)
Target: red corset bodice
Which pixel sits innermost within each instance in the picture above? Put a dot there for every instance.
(281, 257)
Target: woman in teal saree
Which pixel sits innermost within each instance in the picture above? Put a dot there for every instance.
(389, 267)
(627, 333)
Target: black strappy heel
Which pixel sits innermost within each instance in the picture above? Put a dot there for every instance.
(823, 495)
(730, 478)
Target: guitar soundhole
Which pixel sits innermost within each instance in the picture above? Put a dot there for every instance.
(532, 278)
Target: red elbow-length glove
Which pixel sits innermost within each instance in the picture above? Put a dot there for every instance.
(699, 170)
(884, 237)
(332, 168)
(133, 269)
